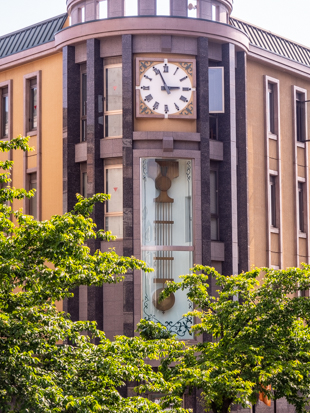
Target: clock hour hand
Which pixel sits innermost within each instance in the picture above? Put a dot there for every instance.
(157, 71)
(170, 87)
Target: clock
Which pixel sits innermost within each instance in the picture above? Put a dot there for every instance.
(166, 88)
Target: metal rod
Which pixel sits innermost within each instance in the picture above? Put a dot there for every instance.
(275, 406)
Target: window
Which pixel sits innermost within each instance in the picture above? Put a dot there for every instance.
(81, 14)
(83, 179)
(192, 8)
(213, 120)
(166, 237)
(216, 90)
(273, 204)
(214, 205)
(131, 8)
(102, 11)
(83, 105)
(215, 13)
(4, 108)
(32, 179)
(33, 105)
(113, 94)
(163, 7)
(114, 207)
(300, 117)
(301, 212)
(271, 108)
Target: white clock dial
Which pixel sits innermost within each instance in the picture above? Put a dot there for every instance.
(166, 88)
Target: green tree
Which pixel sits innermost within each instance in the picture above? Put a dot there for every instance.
(259, 334)
(47, 364)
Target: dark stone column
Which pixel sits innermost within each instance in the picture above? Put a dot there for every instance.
(242, 148)
(179, 8)
(128, 113)
(203, 129)
(147, 7)
(228, 168)
(95, 181)
(71, 136)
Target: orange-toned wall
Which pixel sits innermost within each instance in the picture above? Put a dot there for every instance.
(257, 163)
(52, 175)
(51, 69)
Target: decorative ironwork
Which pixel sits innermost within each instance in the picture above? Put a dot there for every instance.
(180, 327)
(188, 170)
(188, 110)
(144, 65)
(145, 110)
(144, 169)
(188, 67)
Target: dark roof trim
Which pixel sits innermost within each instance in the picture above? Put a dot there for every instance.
(273, 43)
(32, 36)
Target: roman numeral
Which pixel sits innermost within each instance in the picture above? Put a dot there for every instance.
(156, 70)
(156, 104)
(186, 89)
(166, 109)
(148, 98)
(166, 68)
(146, 88)
(183, 78)
(176, 71)
(146, 77)
(183, 99)
(176, 106)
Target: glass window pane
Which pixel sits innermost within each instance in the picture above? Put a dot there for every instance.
(33, 200)
(216, 89)
(213, 192)
(114, 187)
(114, 89)
(84, 94)
(84, 184)
(163, 7)
(192, 8)
(113, 125)
(115, 225)
(131, 7)
(214, 229)
(168, 265)
(33, 108)
(271, 113)
(103, 9)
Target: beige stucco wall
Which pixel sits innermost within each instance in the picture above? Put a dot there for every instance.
(257, 162)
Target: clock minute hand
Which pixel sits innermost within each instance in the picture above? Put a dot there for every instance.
(170, 87)
(157, 71)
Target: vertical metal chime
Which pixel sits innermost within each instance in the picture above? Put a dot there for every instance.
(168, 170)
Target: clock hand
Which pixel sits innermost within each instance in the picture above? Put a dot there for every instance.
(157, 71)
(170, 87)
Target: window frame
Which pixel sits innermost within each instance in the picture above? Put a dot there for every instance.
(98, 9)
(113, 164)
(215, 12)
(197, 9)
(300, 132)
(170, 8)
(6, 90)
(27, 102)
(301, 206)
(83, 171)
(105, 111)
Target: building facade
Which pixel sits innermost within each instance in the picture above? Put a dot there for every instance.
(194, 122)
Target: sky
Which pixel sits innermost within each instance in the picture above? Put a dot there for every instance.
(288, 18)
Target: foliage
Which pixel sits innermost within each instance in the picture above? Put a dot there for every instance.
(47, 362)
(260, 336)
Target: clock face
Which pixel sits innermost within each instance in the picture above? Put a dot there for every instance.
(166, 89)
